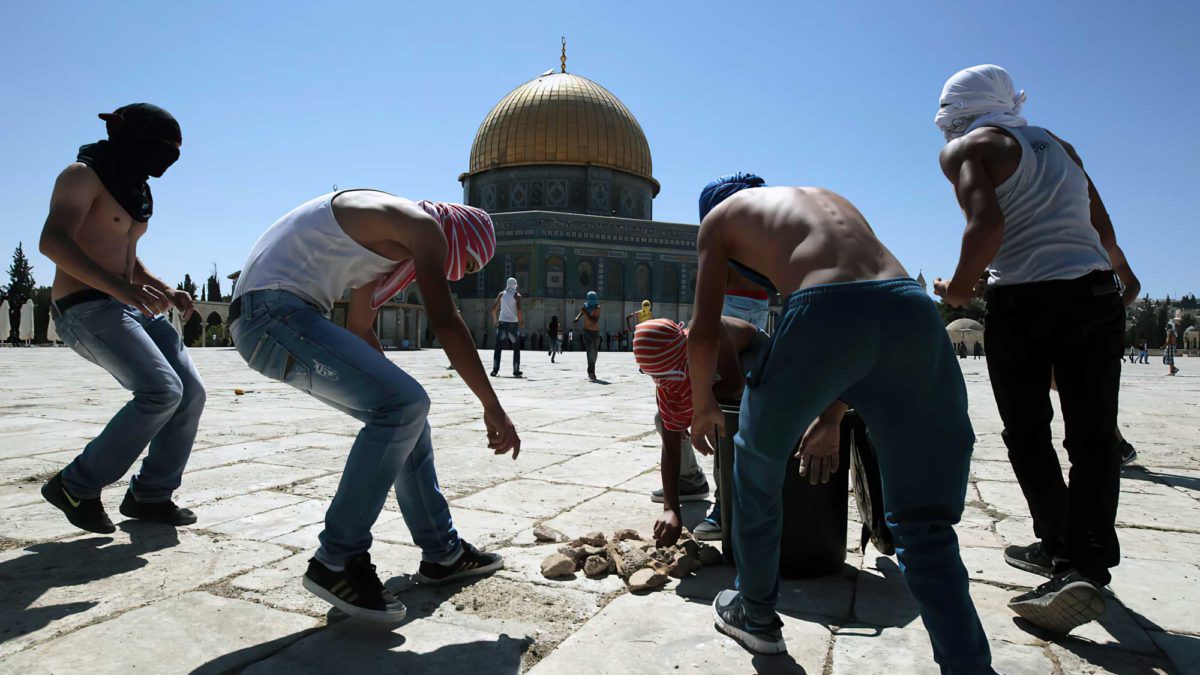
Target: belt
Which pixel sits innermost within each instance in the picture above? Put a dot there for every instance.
(78, 297)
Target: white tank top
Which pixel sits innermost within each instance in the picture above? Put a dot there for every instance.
(508, 306)
(307, 253)
(1048, 231)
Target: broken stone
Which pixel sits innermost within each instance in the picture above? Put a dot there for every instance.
(543, 533)
(625, 535)
(646, 579)
(691, 547)
(577, 555)
(594, 550)
(709, 555)
(557, 565)
(683, 566)
(597, 566)
(593, 539)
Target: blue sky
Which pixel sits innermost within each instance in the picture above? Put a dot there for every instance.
(279, 101)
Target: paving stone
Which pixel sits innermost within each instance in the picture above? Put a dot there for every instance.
(226, 481)
(274, 523)
(1162, 595)
(414, 648)
(1183, 650)
(191, 631)
(20, 494)
(873, 651)
(56, 586)
(484, 529)
(242, 506)
(529, 498)
(665, 633)
(1086, 659)
(608, 513)
(605, 467)
(828, 596)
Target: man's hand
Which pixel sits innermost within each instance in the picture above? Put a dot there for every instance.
(667, 528)
(146, 299)
(182, 300)
(819, 451)
(502, 435)
(951, 296)
(708, 425)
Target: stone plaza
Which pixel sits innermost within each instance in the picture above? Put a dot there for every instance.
(224, 595)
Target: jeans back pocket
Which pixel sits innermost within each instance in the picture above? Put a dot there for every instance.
(277, 362)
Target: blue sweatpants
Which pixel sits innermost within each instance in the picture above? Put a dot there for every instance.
(880, 347)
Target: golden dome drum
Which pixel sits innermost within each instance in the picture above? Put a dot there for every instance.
(561, 118)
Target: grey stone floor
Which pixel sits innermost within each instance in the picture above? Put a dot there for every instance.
(224, 595)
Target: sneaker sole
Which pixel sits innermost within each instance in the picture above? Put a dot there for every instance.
(378, 616)
(1030, 567)
(177, 522)
(478, 571)
(1076, 604)
(707, 536)
(53, 500)
(1126, 461)
(698, 497)
(748, 640)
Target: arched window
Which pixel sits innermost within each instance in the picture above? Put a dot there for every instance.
(554, 272)
(670, 282)
(214, 319)
(616, 280)
(587, 277)
(641, 278)
(521, 274)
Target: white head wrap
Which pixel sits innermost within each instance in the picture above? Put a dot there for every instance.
(978, 96)
(512, 284)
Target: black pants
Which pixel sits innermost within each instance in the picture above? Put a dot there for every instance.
(1073, 329)
(507, 330)
(591, 342)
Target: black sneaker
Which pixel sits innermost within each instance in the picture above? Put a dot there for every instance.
(1061, 604)
(1128, 453)
(159, 512)
(730, 618)
(1032, 558)
(518, 374)
(356, 590)
(471, 563)
(86, 514)
(690, 494)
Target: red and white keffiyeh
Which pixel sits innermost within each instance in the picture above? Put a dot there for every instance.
(660, 349)
(470, 236)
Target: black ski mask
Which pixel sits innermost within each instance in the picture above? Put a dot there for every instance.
(141, 143)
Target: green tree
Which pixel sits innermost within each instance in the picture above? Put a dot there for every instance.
(41, 313)
(975, 310)
(20, 286)
(188, 286)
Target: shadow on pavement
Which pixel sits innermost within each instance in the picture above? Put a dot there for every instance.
(76, 562)
(1174, 480)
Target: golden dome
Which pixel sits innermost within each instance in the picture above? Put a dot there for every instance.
(561, 118)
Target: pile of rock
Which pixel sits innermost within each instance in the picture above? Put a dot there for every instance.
(639, 562)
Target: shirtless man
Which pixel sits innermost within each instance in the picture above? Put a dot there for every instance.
(1058, 285)
(857, 331)
(660, 349)
(108, 308)
(375, 244)
(744, 299)
(591, 330)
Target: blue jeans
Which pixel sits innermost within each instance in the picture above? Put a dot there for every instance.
(511, 331)
(148, 358)
(747, 309)
(287, 339)
(880, 347)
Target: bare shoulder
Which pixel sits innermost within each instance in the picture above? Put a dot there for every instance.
(984, 144)
(78, 175)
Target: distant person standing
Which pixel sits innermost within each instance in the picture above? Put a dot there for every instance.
(1037, 224)
(509, 319)
(978, 349)
(632, 319)
(591, 330)
(552, 336)
(1169, 350)
(1143, 355)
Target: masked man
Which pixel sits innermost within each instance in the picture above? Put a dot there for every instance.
(509, 320)
(591, 330)
(110, 309)
(855, 330)
(375, 244)
(1036, 224)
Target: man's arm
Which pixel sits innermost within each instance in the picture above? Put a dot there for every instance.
(74, 193)
(496, 310)
(963, 164)
(360, 318)
(670, 524)
(520, 312)
(704, 336)
(423, 237)
(1102, 223)
(180, 299)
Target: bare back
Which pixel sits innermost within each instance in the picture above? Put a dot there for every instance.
(799, 237)
(107, 233)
